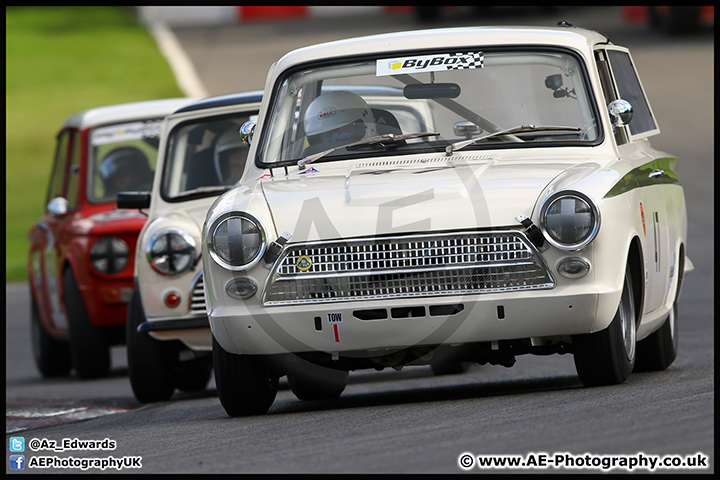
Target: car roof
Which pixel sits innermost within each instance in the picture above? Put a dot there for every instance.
(580, 38)
(125, 112)
(254, 96)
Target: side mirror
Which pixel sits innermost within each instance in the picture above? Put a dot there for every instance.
(621, 112)
(58, 207)
(553, 82)
(246, 132)
(466, 129)
(137, 200)
(431, 90)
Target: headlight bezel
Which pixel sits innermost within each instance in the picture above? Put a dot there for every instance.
(192, 249)
(123, 252)
(217, 222)
(573, 194)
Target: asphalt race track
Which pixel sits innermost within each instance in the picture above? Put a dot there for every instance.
(411, 421)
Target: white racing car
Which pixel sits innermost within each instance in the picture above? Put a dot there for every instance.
(528, 213)
(167, 331)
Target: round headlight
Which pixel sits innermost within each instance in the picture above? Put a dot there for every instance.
(570, 220)
(237, 241)
(109, 255)
(171, 251)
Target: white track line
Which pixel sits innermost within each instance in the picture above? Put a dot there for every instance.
(180, 63)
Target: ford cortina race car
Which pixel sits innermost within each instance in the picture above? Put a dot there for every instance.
(530, 215)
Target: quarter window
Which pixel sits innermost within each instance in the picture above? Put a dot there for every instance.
(629, 89)
(73, 188)
(57, 180)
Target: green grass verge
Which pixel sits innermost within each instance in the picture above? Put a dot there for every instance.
(61, 60)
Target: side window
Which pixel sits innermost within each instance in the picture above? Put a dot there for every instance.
(608, 89)
(73, 188)
(57, 180)
(629, 89)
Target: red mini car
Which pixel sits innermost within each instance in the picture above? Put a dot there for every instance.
(81, 262)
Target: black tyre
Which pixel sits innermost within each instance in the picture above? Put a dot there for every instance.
(52, 357)
(194, 375)
(314, 382)
(449, 367)
(150, 362)
(658, 351)
(607, 357)
(244, 383)
(89, 348)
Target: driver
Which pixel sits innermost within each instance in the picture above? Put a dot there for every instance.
(125, 169)
(229, 156)
(338, 118)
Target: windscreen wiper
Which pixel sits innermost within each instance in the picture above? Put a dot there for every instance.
(454, 147)
(388, 138)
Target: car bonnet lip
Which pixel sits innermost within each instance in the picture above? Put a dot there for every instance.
(358, 202)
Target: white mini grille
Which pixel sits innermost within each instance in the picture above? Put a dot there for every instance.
(197, 297)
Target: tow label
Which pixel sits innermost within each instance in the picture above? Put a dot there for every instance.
(335, 319)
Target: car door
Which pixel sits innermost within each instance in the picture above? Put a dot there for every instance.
(46, 248)
(648, 173)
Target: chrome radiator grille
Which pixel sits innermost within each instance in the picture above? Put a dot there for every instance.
(407, 266)
(197, 297)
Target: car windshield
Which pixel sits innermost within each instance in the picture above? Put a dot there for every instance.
(204, 157)
(444, 97)
(122, 159)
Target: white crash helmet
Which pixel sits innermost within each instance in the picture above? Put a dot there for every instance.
(230, 140)
(329, 118)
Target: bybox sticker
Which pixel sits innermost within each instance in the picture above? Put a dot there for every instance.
(429, 63)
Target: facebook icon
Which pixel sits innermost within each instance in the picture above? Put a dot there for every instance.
(17, 462)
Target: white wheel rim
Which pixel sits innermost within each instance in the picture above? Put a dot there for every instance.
(627, 319)
(673, 326)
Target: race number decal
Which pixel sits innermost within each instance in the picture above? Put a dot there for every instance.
(335, 319)
(429, 63)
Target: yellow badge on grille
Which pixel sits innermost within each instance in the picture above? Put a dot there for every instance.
(304, 263)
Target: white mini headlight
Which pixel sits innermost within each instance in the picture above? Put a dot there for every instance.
(171, 251)
(569, 220)
(237, 241)
(109, 255)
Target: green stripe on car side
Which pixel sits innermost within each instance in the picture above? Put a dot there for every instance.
(640, 176)
(667, 164)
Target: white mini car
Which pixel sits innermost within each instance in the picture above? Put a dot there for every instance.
(531, 214)
(200, 157)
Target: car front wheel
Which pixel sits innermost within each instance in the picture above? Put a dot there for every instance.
(658, 351)
(89, 348)
(52, 357)
(150, 362)
(245, 384)
(194, 375)
(607, 357)
(315, 382)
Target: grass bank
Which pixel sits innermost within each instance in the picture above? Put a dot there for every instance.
(60, 60)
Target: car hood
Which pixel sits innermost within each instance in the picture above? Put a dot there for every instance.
(187, 216)
(110, 222)
(404, 196)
